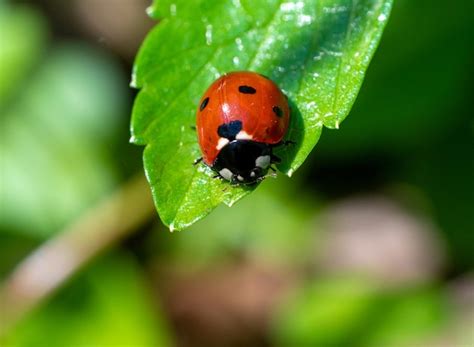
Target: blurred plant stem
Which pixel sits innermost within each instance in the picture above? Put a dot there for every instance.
(53, 263)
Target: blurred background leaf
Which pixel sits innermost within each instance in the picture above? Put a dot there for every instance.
(329, 313)
(407, 317)
(24, 33)
(106, 305)
(357, 312)
(58, 130)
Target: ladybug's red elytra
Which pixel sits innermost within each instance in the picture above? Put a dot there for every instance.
(240, 119)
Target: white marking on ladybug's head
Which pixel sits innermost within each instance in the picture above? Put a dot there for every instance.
(253, 174)
(240, 178)
(242, 135)
(263, 161)
(226, 174)
(222, 142)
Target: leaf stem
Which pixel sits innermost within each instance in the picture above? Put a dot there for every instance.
(54, 262)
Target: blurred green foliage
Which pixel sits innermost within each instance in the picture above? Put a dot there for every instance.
(357, 312)
(107, 305)
(23, 38)
(327, 314)
(408, 316)
(64, 108)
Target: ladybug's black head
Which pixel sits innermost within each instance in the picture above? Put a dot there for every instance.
(243, 161)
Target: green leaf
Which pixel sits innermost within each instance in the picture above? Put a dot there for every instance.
(317, 51)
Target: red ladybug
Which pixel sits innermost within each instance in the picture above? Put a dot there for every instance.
(240, 119)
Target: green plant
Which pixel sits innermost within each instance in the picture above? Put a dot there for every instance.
(317, 51)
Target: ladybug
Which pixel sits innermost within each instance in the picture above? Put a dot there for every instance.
(240, 119)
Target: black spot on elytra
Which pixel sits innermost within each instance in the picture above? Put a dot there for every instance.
(277, 111)
(230, 130)
(247, 90)
(204, 104)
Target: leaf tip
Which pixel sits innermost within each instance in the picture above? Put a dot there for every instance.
(150, 11)
(133, 81)
(136, 140)
(177, 226)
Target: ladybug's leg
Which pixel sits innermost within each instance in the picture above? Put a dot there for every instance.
(272, 175)
(234, 181)
(197, 161)
(260, 179)
(274, 159)
(285, 143)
